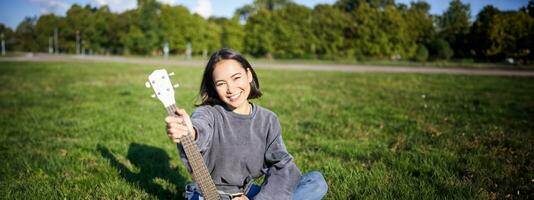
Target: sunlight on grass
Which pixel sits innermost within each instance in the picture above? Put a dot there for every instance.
(90, 130)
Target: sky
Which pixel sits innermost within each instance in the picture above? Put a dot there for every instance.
(12, 12)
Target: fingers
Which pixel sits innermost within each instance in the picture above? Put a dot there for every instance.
(172, 119)
(181, 112)
(178, 126)
(176, 132)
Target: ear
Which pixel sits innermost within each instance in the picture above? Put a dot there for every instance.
(249, 75)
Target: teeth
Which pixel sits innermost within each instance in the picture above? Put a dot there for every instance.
(233, 97)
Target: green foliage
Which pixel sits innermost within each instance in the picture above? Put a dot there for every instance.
(511, 35)
(497, 35)
(79, 21)
(125, 24)
(347, 30)
(420, 22)
(530, 8)
(259, 37)
(135, 40)
(351, 5)
(178, 27)
(421, 54)
(232, 33)
(293, 36)
(149, 26)
(91, 131)
(480, 40)
(328, 27)
(45, 27)
(440, 49)
(271, 5)
(454, 26)
(103, 31)
(9, 37)
(365, 37)
(26, 34)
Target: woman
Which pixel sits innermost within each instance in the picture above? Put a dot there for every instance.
(241, 141)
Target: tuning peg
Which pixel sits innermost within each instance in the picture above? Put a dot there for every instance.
(153, 96)
(176, 85)
(171, 74)
(147, 84)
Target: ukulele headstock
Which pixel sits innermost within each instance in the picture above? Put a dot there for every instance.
(163, 89)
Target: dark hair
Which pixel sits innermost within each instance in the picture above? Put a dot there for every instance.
(208, 93)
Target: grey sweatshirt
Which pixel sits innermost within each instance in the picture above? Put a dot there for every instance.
(239, 148)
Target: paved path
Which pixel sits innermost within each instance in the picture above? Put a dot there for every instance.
(316, 67)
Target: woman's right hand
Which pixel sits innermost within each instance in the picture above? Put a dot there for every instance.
(179, 126)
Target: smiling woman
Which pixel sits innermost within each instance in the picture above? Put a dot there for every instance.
(241, 141)
(233, 85)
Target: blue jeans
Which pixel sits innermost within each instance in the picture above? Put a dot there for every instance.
(312, 186)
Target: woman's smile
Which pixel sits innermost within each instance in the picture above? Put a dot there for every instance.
(234, 97)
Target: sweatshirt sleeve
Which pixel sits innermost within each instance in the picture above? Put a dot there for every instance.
(202, 120)
(282, 175)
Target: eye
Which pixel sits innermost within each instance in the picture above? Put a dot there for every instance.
(237, 77)
(219, 84)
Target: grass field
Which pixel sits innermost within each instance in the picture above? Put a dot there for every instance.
(91, 131)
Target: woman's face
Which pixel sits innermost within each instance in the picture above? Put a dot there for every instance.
(232, 83)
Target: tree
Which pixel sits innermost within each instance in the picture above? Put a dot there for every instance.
(454, 26)
(399, 40)
(176, 27)
(351, 5)
(365, 36)
(45, 27)
(378, 33)
(420, 22)
(511, 35)
(26, 35)
(123, 25)
(439, 49)
(148, 24)
(497, 35)
(328, 25)
(79, 23)
(530, 8)
(271, 5)
(421, 54)
(102, 32)
(293, 37)
(259, 38)
(9, 37)
(479, 35)
(232, 33)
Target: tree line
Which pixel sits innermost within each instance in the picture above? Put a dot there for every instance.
(348, 29)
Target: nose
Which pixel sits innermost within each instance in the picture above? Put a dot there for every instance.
(229, 88)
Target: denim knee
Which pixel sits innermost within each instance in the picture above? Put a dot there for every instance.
(318, 180)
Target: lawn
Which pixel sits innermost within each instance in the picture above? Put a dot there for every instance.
(72, 130)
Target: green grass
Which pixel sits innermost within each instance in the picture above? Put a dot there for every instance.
(91, 131)
(454, 63)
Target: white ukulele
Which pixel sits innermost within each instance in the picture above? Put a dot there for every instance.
(164, 91)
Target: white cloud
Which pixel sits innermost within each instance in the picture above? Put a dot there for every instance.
(118, 5)
(204, 8)
(122, 5)
(170, 2)
(52, 6)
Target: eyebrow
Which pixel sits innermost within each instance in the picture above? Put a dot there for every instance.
(238, 73)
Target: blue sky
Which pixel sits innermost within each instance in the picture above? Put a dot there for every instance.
(12, 12)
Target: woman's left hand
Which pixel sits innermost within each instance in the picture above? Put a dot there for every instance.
(242, 197)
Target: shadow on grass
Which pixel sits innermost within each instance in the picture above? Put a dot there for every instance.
(154, 168)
